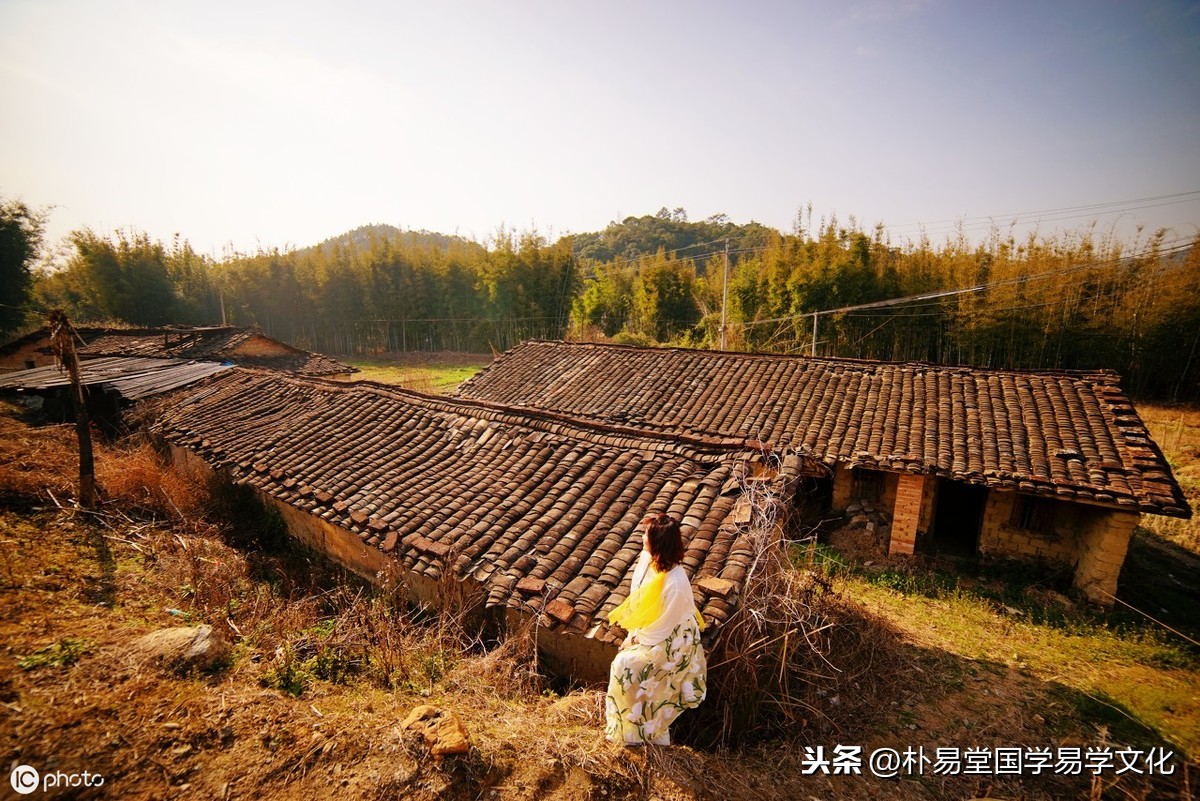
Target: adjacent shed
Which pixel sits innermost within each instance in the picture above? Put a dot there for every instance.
(110, 384)
(245, 346)
(1051, 465)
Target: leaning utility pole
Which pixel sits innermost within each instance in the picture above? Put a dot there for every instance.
(725, 294)
(62, 339)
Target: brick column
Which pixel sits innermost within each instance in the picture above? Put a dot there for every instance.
(906, 515)
(1102, 550)
(842, 486)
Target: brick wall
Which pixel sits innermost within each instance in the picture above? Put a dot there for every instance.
(843, 486)
(1092, 539)
(1101, 553)
(1061, 545)
(906, 514)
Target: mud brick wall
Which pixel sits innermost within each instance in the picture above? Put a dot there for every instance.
(906, 514)
(999, 537)
(1102, 551)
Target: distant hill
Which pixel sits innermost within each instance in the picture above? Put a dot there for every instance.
(628, 239)
(364, 236)
(669, 231)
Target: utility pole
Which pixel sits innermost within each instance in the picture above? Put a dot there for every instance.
(725, 294)
(62, 339)
(814, 342)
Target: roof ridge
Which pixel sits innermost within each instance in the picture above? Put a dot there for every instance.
(1109, 375)
(682, 442)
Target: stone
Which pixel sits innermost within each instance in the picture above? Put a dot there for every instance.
(717, 586)
(442, 730)
(185, 648)
(560, 610)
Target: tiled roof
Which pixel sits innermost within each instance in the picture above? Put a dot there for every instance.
(133, 378)
(1073, 435)
(540, 508)
(201, 343)
(215, 343)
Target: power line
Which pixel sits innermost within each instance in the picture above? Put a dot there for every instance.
(1062, 212)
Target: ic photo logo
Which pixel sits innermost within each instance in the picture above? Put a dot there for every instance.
(25, 779)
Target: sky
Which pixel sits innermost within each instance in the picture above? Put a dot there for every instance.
(246, 125)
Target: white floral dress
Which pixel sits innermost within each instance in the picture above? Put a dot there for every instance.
(650, 683)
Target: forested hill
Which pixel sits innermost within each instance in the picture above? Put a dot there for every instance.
(1067, 300)
(671, 232)
(366, 237)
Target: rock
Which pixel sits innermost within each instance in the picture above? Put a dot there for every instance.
(854, 508)
(859, 520)
(870, 526)
(185, 648)
(442, 730)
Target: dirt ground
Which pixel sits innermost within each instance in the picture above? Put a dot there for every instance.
(311, 701)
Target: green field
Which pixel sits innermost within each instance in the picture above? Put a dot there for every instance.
(434, 374)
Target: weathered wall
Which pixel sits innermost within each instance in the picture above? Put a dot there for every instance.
(581, 658)
(1092, 539)
(261, 346)
(999, 537)
(906, 513)
(340, 545)
(1103, 545)
(843, 486)
(29, 352)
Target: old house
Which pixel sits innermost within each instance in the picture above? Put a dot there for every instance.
(534, 511)
(1052, 466)
(245, 346)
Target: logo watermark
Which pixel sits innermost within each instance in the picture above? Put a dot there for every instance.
(25, 779)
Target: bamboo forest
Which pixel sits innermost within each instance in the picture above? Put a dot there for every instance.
(1075, 300)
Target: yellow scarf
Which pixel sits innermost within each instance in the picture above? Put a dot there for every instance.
(644, 605)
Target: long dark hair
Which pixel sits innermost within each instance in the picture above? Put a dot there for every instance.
(664, 540)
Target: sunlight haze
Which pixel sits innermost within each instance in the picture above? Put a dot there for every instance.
(273, 125)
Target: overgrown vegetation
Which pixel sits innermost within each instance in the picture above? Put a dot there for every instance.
(1176, 429)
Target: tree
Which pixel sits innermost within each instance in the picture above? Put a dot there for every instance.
(21, 231)
(129, 276)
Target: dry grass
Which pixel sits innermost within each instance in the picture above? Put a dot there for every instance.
(1176, 429)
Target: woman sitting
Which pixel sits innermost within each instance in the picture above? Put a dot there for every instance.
(660, 670)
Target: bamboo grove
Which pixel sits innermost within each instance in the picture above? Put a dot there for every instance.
(1071, 300)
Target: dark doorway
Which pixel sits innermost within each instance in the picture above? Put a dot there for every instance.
(957, 518)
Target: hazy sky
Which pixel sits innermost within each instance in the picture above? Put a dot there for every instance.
(248, 124)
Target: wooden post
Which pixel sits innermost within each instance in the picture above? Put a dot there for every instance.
(62, 339)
